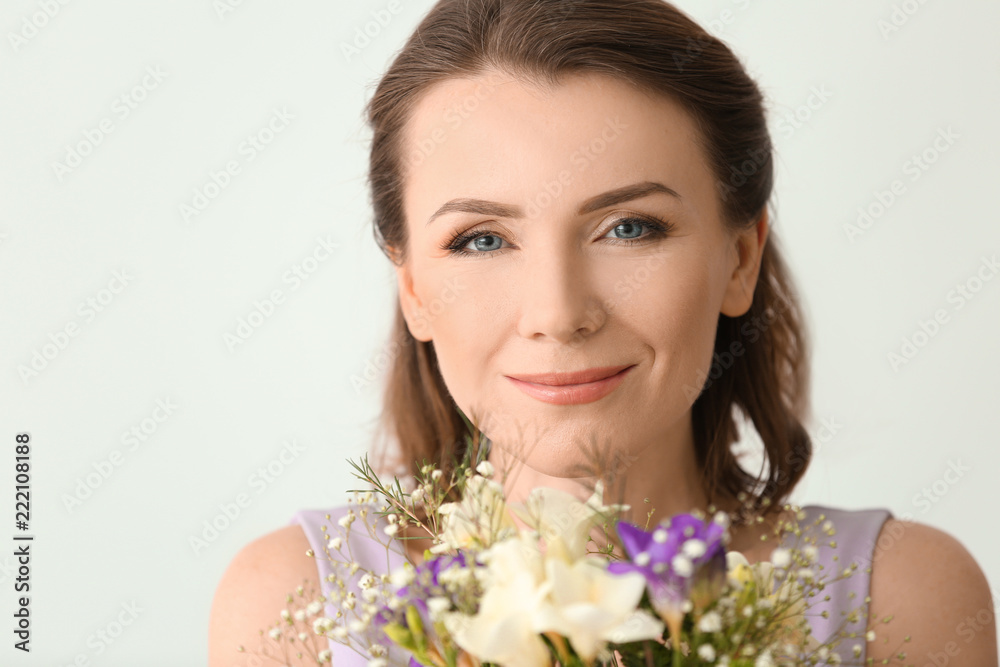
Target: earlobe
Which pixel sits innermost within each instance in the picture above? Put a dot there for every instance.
(748, 249)
(411, 306)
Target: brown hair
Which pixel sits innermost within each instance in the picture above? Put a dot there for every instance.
(658, 48)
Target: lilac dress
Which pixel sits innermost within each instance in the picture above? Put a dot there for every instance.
(856, 534)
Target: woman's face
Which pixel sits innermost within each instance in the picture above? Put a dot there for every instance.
(589, 235)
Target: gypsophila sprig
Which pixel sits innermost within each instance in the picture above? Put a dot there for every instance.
(294, 632)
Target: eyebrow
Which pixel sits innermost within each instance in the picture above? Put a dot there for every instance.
(603, 200)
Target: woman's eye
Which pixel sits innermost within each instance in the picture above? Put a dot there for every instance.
(485, 243)
(630, 229)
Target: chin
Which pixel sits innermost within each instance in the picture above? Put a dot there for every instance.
(564, 450)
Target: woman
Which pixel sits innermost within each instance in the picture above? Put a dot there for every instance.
(613, 163)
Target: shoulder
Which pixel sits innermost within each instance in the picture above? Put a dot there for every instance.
(252, 590)
(936, 594)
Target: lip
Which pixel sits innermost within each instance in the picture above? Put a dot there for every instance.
(572, 388)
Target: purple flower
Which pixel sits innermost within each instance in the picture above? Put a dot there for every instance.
(426, 584)
(682, 559)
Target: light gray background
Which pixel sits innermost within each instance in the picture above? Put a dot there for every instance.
(161, 337)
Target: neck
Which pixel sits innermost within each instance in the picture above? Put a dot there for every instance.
(662, 477)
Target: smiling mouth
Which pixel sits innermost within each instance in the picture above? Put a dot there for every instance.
(567, 388)
(578, 377)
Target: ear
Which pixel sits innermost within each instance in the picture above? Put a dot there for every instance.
(748, 248)
(410, 304)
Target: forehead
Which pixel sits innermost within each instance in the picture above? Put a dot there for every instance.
(499, 137)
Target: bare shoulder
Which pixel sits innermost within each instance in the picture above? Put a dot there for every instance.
(251, 593)
(937, 595)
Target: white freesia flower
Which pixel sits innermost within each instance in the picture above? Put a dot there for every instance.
(737, 569)
(563, 520)
(437, 606)
(596, 501)
(503, 631)
(590, 606)
(478, 520)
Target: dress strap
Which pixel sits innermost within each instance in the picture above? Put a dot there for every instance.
(855, 533)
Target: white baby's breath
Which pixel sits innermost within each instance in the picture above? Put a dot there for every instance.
(402, 576)
(418, 495)
(682, 565)
(764, 659)
(781, 557)
(710, 622)
(693, 548)
(322, 625)
(478, 520)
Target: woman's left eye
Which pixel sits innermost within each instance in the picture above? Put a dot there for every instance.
(631, 229)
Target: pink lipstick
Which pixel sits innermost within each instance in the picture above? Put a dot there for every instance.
(571, 388)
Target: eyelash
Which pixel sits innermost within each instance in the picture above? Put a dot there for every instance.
(658, 227)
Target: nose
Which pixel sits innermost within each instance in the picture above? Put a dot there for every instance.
(558, 298)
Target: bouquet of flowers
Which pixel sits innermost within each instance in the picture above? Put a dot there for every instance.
(520, 586)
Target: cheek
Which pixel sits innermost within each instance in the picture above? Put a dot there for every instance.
(465, 320)
(673, 307)
(462, 307)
